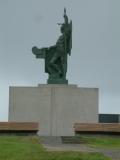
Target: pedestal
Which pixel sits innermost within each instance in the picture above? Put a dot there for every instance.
(55, 107)
(57, 81)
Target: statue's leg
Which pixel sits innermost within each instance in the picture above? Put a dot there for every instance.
(50, 70)
(54, 65)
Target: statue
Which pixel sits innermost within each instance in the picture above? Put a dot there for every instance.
(56, 56)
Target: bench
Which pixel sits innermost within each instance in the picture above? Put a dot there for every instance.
(19, 128)
(104, 128)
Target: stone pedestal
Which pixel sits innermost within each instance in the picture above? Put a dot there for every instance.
(55, 107)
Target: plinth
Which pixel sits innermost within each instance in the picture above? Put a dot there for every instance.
(55, 107)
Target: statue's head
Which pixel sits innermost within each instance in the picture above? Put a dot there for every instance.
(62, 28)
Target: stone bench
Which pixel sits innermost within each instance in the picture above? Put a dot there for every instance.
(104, 128)
(18, 128)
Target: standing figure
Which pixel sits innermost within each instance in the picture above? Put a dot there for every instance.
(56, 56)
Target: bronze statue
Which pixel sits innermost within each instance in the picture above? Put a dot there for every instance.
(56, 56)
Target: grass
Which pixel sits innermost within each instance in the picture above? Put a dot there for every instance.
(104, 142)
(29, 148)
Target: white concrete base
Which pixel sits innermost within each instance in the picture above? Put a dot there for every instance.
(55, 107)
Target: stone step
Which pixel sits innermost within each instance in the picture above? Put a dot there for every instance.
(51, 140)
(71, 140)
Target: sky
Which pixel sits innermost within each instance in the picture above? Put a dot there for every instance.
(95, 57)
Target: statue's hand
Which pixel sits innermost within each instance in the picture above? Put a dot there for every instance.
(35, 50)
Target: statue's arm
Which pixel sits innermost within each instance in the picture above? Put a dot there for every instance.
(39, 53)
(52, 47)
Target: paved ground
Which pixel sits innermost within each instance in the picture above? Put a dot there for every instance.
(55, 144)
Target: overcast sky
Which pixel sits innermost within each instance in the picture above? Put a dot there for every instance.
(95, 57)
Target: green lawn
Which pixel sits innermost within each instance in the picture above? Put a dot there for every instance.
(102, 141)
(29, 148)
